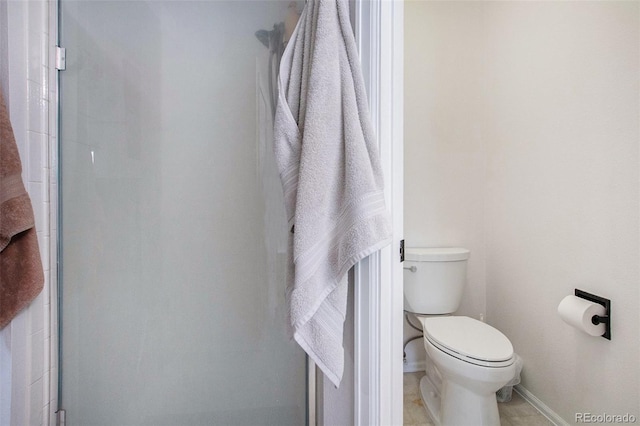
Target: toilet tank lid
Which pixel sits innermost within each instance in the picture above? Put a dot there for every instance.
(436, 254)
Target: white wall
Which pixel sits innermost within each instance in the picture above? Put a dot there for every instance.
(539, 102)
(444, 151)
(562, 130)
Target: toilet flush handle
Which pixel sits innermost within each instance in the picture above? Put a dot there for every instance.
(411, 268)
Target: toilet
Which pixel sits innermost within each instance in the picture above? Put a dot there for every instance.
(467, 360)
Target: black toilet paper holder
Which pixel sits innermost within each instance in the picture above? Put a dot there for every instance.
(597, 319)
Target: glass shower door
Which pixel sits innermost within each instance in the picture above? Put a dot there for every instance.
(173, 234)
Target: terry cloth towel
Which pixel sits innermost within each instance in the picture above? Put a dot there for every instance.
(331, 176)
(21, 275)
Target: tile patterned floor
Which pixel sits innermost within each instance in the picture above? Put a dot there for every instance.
(516, 412)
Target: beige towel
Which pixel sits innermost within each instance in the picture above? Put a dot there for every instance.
(21, 274)
(330, 170)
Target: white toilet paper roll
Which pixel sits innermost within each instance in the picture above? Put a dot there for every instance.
(577, 312)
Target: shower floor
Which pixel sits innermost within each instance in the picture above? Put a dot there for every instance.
(516, 412)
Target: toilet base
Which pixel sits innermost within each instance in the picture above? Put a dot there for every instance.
(431, 399)
(458, 406)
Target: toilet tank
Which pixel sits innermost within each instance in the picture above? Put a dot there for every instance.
(434, 279)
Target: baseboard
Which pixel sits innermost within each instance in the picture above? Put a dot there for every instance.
(551, 415)
(413, 366)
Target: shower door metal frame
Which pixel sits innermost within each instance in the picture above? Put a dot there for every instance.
(55, 412)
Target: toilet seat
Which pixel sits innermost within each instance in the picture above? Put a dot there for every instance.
(468, 340)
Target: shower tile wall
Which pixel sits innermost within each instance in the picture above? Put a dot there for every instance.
(31, 354)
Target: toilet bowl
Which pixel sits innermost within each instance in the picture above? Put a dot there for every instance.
(467, 360)
(472, 361)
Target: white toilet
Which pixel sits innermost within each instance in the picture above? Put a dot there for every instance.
(467, 360)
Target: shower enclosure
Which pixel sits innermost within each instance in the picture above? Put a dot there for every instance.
(172, 229)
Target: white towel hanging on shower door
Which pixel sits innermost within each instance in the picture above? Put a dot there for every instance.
(331, 175)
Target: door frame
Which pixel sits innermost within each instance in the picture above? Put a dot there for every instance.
(378, 321)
